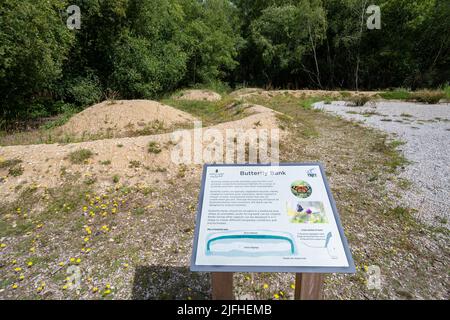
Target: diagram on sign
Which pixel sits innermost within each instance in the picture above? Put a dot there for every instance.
(251, 244)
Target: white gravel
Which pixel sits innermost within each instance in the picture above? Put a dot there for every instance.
(426, 131)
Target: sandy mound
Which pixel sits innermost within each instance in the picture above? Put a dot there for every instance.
(123, 116)
(48, 165)
(199, 95)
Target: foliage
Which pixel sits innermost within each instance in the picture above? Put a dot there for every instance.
(146, 48)
(34, 43)
(80, 156)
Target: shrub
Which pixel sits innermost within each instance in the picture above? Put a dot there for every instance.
(359, 100)
(80, 156)
(85, 91)
(15, 171)
(428, 96)
(9, 163)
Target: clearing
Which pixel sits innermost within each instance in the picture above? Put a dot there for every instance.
(121, 212)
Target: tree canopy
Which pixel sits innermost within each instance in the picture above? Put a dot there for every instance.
(145, 48)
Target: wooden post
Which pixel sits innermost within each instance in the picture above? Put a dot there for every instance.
(308, 286)
(222, 285)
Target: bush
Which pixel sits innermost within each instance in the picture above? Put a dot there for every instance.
(359, 100)
(428, 96)
(15, 171)
(85, 91)
(66, 111)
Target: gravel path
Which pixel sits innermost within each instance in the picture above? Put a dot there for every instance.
(426, 131)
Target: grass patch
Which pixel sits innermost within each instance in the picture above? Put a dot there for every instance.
(397, 94)
(402, 214)
(9, 163)
(16, 171)
(210, 112)
(80, 156)
(134, 164)
(154, 147)
(447, 92)
(394, 159)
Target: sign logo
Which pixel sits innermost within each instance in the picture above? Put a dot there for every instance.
(312, 173)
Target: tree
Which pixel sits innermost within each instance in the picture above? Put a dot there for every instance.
(34, 42)
(283, 35)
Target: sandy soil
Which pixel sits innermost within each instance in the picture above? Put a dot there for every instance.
(43, 164)
(199, 95)
(122, 116)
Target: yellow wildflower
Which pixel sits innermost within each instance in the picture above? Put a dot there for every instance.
(15, 285)
(276, 296)
(78, 260)
(3, 245)
(61, 264)
(94, 289)
(292, 286)
(18, 269)
(86, 239)
(29, 264)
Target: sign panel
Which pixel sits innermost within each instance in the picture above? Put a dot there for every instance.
(265, 218)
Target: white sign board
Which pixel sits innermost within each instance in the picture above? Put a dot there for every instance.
(263, 218)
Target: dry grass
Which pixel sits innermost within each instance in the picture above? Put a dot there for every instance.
(428, 96)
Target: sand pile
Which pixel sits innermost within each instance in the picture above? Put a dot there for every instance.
(48, 165)
(122, 116)
(199, 95)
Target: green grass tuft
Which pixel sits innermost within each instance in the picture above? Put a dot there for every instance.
(80, 156)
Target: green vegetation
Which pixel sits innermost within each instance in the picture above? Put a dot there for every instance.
(154, 147)
(144, 49)
(397, 94)
(9, 163)
(359, 100)
(15, 171)
(80, 156)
